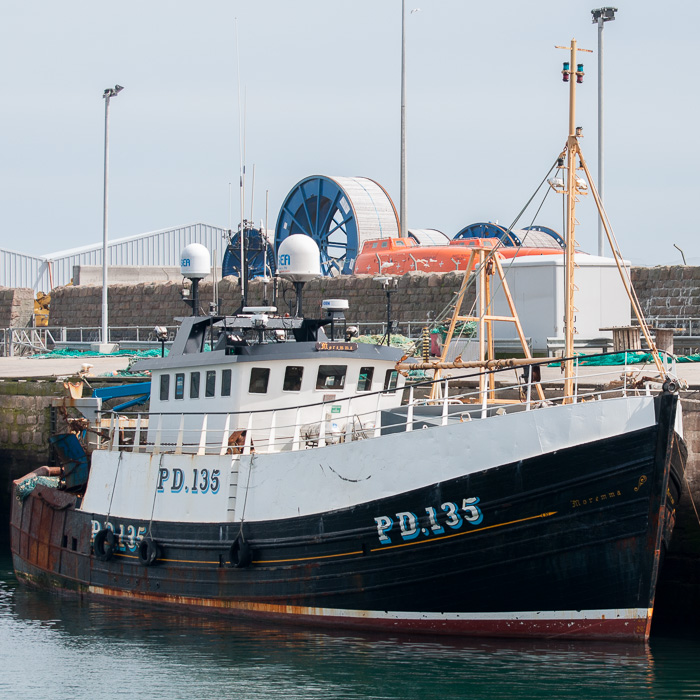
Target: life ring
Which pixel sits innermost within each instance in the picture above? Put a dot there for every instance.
(104, 544)
(148, 551)
(239, 553)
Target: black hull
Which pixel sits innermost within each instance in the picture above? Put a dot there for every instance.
(569, 543)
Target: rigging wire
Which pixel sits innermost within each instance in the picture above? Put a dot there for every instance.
(447, 310)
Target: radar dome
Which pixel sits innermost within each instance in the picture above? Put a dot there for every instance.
(299, 258)
(194, 261)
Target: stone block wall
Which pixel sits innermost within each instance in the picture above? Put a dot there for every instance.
(678, 592)
(668, 291)
(16, 307)
(25, 428)
(417, 297)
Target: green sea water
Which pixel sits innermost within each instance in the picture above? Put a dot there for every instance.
(54, 648)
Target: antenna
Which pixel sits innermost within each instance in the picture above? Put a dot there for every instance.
(229, 207)
(241, 169)
(252, 195)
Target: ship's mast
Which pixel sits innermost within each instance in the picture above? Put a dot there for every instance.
(571, 153)
(573, 189)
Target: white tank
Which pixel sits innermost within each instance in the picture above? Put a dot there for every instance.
(195, 261)
(299, 258)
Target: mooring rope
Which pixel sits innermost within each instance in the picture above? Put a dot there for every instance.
(690, 494)
(114, 486)
(245, 499)
(155, 493)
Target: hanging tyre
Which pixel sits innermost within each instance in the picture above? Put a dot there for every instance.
(104, 544)
(148, 551)
(670, 387)
(239, 553)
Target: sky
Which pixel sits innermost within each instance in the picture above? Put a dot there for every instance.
(320, 94)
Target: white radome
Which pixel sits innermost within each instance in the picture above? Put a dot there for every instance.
(299, 258)
(195, 261)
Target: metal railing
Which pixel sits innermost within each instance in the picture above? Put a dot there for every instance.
(284, 429)
(24, 341)
(27, 341)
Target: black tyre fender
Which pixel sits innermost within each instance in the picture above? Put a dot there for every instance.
(104, 544)
(148, 551)
(669, 387)
(239, 553)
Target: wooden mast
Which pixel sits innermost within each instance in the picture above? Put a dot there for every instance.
(570, 251)
(573, 73)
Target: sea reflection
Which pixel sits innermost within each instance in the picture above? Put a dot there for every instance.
(59, 647)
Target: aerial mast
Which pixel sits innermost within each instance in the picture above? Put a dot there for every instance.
(574, 187)
(572, 152)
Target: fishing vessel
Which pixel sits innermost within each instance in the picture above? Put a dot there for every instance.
(282, 473)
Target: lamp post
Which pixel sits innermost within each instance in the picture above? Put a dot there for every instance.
(402, 204)
(600, 16)
(107, 95)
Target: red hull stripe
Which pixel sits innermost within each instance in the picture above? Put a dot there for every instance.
(628, 624)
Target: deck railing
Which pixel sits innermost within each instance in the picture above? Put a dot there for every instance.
(277, 430)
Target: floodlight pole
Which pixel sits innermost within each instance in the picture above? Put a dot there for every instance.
(403, 232)
(600, 16)
(107, 95)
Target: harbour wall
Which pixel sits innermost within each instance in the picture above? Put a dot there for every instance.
(668, 292)
(417, 296)
(16, 307)
(25, 427)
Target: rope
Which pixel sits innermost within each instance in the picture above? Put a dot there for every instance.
(471, 281)
(245, 500)
(690, 493)
(155, 493)
(114, 486)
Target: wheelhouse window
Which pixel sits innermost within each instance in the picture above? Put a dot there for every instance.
(179, 386)
(210, 384)
(390, 380)
(259, 378)
(226, 382)
(194, 385)
(164, 387)
(331, 377)
(292, 379)
(364, 381)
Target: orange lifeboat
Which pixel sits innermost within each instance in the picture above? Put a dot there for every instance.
(397, 256)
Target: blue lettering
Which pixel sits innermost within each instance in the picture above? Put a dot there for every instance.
(163, 476)
(472, 513)
(384, 524)
(178, 481)
(408, 522)
(454, 519)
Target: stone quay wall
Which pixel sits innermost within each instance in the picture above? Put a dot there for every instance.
(666, 292)
(25, 428)
(678, 591)
(16, 307)
(418, 296)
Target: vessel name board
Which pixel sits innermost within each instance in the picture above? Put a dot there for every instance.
(344, 347)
